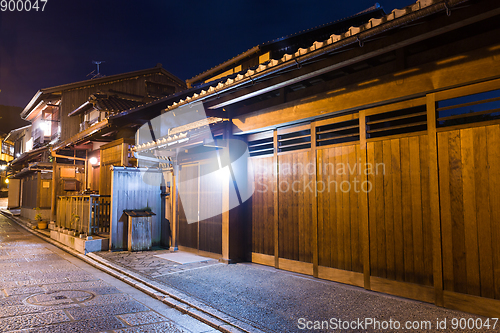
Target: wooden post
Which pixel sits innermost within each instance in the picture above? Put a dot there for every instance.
(38, 188)
(314, 221)
(124, 154)
(174, 224)
(53, 203)
(276, 198)
(225, 207)
(365, 226)
(434, 201)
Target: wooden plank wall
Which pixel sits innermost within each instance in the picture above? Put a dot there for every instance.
(339, 229)
(428, 229)
(45, 190)
(29, 193)
(188, 232)
(262, 207)
(295, 206)
(469, 181)
(399, 209)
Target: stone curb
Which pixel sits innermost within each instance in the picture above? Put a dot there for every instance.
(168, 296)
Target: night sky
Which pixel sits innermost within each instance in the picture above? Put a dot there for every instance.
(57, 46)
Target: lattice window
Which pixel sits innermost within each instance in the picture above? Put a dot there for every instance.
(294, 138)
(468, 109)
(397, 122)
(262, 146)
(345, 131)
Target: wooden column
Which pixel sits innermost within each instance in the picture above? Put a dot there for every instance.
(225, 208)
(38, 187)
(434, 201)
(365, 226)
(174, 224)
(276, 198)
(124, 154)
(53, 201)
(314, 216)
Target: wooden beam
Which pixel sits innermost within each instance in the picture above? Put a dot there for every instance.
(313, 161)
(225, 210)
(69, 157)
(437, 258)
(365, 228)
(174, 224)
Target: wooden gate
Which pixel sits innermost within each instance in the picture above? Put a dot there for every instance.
(201, 192)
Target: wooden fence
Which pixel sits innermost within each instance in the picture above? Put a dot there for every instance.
(87, 214)
(423, 222)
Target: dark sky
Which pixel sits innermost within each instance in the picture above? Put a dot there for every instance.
(57, 46)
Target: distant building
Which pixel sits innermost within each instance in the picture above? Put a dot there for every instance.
(69, 124)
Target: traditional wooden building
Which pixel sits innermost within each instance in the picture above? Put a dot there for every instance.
(74, 137)
(374, 155)
(6, 155)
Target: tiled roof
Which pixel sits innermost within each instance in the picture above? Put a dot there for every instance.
(293, 41)
(112, 103)
(104, 102)
(43, 93)
(178, 134)
(252, 73)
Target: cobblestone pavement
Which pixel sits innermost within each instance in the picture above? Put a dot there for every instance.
(43, 289)
(274, 300)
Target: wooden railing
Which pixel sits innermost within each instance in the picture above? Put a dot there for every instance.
(84, 214)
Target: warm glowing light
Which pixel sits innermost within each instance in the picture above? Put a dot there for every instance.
(93, 160)
(3, 167)
(29, 144)
(7, 180)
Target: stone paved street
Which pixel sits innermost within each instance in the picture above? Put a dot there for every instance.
(274, 300)
(148, 264)
(43, 289)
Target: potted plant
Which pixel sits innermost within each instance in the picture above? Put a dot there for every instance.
(38, 218)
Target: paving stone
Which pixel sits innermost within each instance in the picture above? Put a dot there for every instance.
(164, 327)
(39, 282)
(32, 320)
(23, 290)
(16, 310)
(141, 318)
(106, 310)
(104, 290)
(12, 300)
(76, 285)
(87, 325)
(108, 299)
